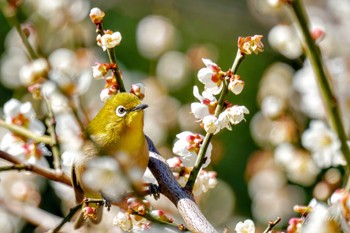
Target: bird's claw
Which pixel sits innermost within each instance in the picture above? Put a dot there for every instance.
(154, 191)
(107, 202)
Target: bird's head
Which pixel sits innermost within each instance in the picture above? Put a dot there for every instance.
(120, 114)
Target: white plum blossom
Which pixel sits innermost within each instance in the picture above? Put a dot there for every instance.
(272, 106)
(300, 168)
(232, 116)
(284, 39)
(211, 124)
(319, 220)
(304, 82)
(33, 72)
(236, 85)
(206, 180)
(106, 171)
(23, 115)
(323, 144)
(205, 106)
(123, 221)
(105, 95)
(211, 76)
(245, 227)
(187, 146)
(99, 70)
(109, 40)
(155, 35)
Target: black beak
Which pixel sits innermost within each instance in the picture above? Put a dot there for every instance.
(139, 107)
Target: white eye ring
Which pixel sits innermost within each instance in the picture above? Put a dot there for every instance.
(120, 111)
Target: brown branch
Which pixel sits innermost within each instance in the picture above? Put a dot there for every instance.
(272, 224)
(58, 176)
(168, 186)
(180, 197)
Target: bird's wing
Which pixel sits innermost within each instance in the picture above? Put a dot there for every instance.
(78, 191)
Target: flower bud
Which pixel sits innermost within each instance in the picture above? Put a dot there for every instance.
(96, 15)
(236, 85)
(250, 44)
(35, 90)
(160, 215)
(317, 34)
(138, 89)
(89, 212)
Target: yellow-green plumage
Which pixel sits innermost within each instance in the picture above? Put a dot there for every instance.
(114, 133)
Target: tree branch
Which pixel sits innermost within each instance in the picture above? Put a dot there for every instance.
(179, 196)
(272, 224)
(45, 172)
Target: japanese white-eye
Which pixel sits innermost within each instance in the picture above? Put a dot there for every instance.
(117, 129)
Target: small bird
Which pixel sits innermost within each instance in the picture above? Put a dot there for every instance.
(116, 129)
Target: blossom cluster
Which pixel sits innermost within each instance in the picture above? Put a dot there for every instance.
(64, 77)
(205, 181)
(292, 129)
(214, 80)
(321, 217)
(212, 114)
(26, 149)
(133, 219)
(108, 40)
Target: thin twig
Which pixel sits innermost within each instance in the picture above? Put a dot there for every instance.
(66, 219)
(323, 78)
(26, 133)
(272, 224)
(152, 219)
(13, 19)
(51, 124)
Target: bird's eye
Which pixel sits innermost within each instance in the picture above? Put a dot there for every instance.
(120, 111)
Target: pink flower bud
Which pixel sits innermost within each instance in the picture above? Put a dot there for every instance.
(89, 212)
(317, 34)
(138, 89)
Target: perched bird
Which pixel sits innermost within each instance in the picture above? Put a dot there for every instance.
(117, 129)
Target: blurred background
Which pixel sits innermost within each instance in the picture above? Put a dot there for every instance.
(162, 46)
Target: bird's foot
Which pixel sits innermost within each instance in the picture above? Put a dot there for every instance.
(154, 191)
(107, 202)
